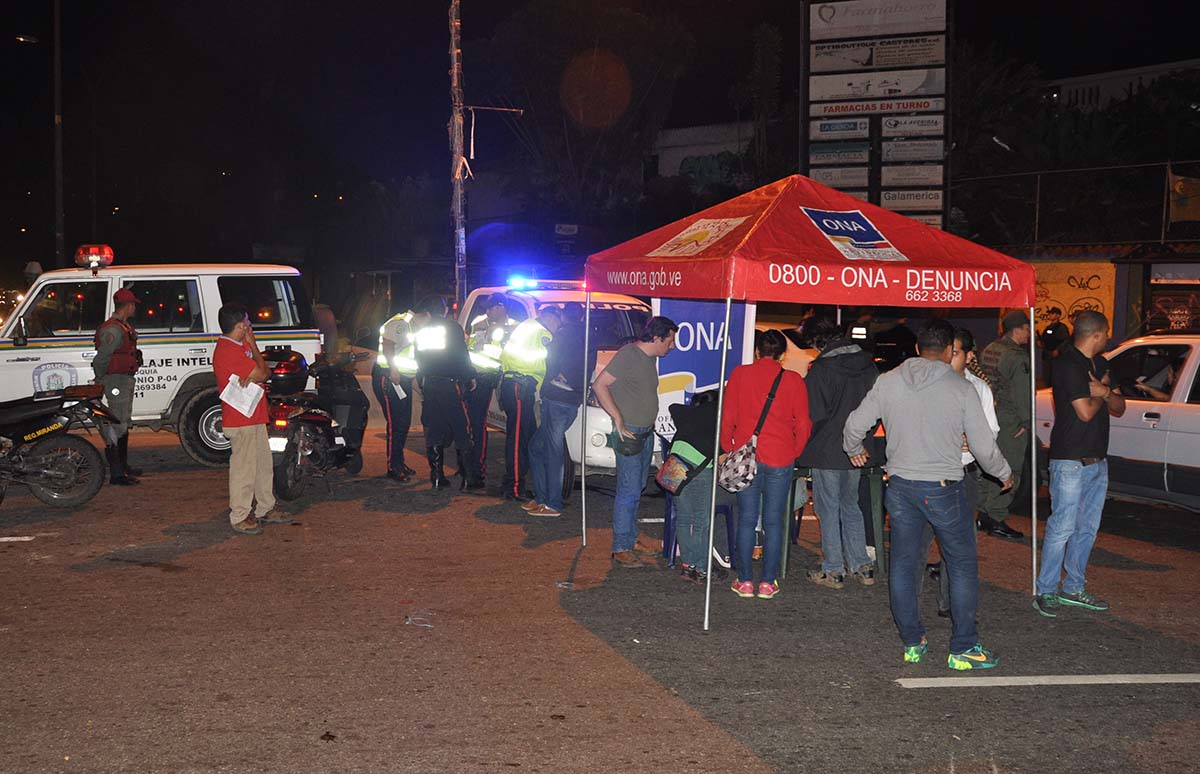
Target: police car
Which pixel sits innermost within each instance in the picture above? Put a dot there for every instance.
(47, 343)
(615, 320)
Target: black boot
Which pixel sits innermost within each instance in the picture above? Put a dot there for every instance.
(116, 468)
(462, 470)
(123, 448)
(437, 461)
(472, 475)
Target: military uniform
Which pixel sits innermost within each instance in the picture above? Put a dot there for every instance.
(444, 372)
(1006, 364)
(523, 364)
(397, 410)
(485, 346)
(115, 364)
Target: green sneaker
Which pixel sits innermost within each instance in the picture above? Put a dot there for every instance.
(977, 657)
(1083, 599)
(914, 653)
(1047, 605)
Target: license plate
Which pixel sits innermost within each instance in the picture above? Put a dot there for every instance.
(277, 444)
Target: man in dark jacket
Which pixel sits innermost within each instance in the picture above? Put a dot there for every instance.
(837, 382)
(562, 394)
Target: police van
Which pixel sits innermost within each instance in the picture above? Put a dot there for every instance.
(615, 320)
(47, 343)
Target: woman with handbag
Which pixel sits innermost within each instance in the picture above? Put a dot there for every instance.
(766, 424)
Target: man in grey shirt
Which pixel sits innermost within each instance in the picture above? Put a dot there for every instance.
(928, 411)
(628, 390)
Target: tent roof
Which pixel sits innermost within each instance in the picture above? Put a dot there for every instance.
(799, 241)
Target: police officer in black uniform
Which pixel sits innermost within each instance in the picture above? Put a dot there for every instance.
(445, 374)
(117, 360)
(1053, 336)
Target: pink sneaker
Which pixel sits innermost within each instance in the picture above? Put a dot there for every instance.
(768, 590)
(744, 589)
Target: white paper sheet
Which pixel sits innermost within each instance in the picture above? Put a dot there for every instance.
(399, 391)
(243, 399)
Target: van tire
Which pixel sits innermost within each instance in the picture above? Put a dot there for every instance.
(200, 429)
(570, 471)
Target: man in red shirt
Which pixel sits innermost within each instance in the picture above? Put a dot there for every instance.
(250, 469)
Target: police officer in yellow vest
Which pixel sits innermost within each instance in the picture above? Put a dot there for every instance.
(489, 333)
(393, 389)
(117, 360)
(523, 363)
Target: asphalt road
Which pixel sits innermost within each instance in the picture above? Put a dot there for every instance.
(394, 629)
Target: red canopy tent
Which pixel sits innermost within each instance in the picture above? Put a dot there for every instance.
(798, 241)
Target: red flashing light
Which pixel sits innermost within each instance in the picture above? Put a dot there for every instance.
(94, 257)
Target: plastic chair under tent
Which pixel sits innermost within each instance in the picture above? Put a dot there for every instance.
(671, 543)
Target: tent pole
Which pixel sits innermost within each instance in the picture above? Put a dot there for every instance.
(587, 382)
(1033, 444)
(712, 503)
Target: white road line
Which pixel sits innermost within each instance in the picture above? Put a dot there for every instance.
(1018, 682)
(16, 539)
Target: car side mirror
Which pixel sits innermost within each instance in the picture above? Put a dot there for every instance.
(20, 336)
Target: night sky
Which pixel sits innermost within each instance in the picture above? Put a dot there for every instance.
(362, 86)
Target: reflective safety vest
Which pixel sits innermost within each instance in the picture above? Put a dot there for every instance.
(401, 330)
(486, 345)
(525, 352)
(124, 358)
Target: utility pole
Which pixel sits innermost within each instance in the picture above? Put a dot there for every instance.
(60, 253)
(458, 163)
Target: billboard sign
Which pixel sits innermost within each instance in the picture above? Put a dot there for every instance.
(853, 55)
(913, 126)
(888, 84)
(694, 364)
(874, 106)
(840, 129)
(839, 153)
(911, 174)
(913, 150)
(854, 235)
(917, 201)
(866, 18)
(840, 177)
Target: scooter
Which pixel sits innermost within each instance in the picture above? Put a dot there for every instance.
(37, 449)
(314, 433)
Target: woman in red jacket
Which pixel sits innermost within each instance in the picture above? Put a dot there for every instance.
(782, 438)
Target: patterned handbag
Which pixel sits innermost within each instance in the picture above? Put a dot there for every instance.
(739, 468)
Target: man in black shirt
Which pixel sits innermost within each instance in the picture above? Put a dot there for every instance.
(1053, 336)
(1083, 401)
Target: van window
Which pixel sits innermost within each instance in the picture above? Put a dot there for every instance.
(167, 305)
(272, 302)
(613, 325)
(67, 309)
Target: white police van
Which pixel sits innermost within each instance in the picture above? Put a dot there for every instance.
(47, 342)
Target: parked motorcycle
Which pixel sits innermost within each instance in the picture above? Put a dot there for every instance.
(37, 449)
(314, 433)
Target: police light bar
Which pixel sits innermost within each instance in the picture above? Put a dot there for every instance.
(94, 257)
(520, 283)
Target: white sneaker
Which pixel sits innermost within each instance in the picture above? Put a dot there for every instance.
(871, 552)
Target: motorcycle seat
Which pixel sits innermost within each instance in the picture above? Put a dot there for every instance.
(22, 409)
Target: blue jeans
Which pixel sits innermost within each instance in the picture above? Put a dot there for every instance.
(912, 504)
(766, 496)
(835, 499)
(1076, 502)
(691, 519)
(631, 480)
(546, 452)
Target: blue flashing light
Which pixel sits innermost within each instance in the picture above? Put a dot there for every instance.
(520, 283)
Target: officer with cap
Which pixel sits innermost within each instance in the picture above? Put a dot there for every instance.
(523, 363)
(1053, 336)
(392, 383)
(1006, 363)
(489, 333)
(117, 360)
(445, 375)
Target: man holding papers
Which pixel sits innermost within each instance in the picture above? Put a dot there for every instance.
(240, 371)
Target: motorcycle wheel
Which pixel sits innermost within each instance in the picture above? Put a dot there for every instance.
(288, 477)
(72, 471)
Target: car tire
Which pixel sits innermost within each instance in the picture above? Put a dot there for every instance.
(200, 429)
(569, 471)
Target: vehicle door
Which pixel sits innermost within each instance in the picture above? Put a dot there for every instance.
(171, 335)
(1183, 438)
(60, 324)
(1146, 375)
